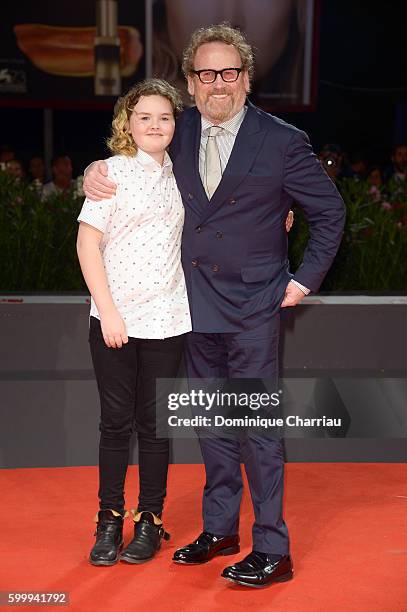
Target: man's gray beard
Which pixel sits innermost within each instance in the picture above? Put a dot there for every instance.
(220, 114)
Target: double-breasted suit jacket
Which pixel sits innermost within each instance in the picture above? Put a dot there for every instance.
(234, 247)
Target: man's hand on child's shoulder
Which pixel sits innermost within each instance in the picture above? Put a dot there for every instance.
(96, 185)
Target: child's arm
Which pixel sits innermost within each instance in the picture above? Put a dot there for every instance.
(90, 258)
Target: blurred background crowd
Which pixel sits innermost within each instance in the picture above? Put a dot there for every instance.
(58, 179)
(64, 171)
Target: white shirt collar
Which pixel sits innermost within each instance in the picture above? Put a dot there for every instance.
(231, 125)
(145, 160)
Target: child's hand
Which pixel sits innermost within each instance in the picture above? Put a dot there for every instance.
(113, 329)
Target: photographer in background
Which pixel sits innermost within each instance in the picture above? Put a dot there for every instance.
(15, 168)
(7, 153)
(398, 168)
(36, 168)
(333, 160)
(358, 165)
(62, 180)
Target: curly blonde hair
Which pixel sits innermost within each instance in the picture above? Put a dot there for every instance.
(121, 141)
(224, 33)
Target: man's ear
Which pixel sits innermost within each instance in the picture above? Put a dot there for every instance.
(191, 85)
(246, 81)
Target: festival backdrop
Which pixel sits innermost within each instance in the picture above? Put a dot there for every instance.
(86, 52)
(70, 53)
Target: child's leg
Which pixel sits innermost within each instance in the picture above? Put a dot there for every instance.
(156, 359)
(116, 375)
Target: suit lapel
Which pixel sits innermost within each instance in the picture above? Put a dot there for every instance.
(248, 141)
(247, 144)
(188, 164)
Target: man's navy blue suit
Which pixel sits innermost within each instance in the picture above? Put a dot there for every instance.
(234, 253)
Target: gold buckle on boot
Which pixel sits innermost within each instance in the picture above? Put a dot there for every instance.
(114, 512)
(157, 521)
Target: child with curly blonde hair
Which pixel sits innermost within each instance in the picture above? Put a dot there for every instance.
(129, 251)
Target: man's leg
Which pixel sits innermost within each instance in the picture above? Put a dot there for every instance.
(254, 355)
(206, 358)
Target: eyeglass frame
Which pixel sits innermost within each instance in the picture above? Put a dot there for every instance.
(198, 74)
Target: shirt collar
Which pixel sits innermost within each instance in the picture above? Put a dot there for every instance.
(231, 125)
(145, 160)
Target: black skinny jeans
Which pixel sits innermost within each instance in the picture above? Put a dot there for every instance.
(126, 379)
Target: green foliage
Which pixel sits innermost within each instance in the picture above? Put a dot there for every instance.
(373, 253)
(37, 239)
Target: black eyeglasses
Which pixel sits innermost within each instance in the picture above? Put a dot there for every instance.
(209, 76)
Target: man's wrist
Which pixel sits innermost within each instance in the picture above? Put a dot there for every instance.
(305, 290)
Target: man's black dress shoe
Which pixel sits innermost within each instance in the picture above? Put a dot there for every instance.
(109, 538)
(148, 533)
(260, 569)
(205, 547)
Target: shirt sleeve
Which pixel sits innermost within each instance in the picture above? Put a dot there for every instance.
(98, 214)
(305, 290)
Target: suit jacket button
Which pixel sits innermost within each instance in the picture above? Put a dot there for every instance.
(219, 235)
(190, 196)
(195, 263)
(198, 229)
(232, 202)
(215, 268)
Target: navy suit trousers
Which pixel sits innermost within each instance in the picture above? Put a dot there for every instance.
(249, 354)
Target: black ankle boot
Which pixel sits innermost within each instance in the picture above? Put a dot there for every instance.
(148, 533)
(109, 538)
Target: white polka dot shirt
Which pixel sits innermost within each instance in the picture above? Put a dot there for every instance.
(141, 246)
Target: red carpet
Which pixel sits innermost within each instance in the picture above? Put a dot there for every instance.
(348, 526)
